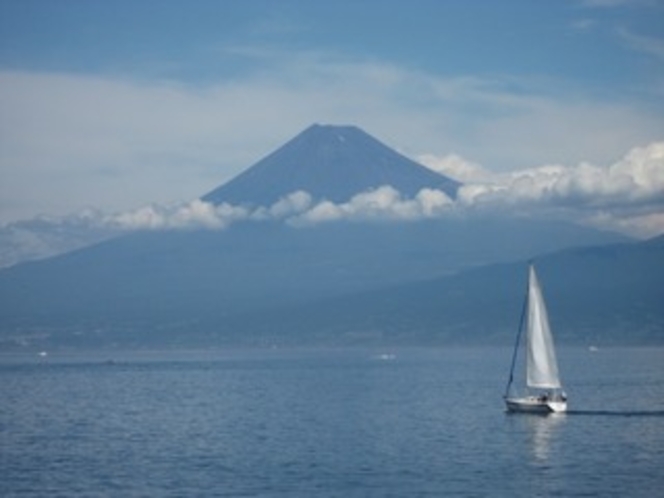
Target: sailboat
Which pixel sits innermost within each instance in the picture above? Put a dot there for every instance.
(544, 392)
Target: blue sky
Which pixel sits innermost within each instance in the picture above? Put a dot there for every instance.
(115, 105)
(578, 42)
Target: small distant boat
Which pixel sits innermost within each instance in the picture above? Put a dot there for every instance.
(543, 392)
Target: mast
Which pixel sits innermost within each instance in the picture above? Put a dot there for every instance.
(518, 338)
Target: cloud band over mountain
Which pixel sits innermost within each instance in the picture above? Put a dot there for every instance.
(627, 196)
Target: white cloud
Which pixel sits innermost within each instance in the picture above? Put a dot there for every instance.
(637, 178)
(627, 196)
(290, 205)
(198, 214)
(195, 214)
(381, 204)
(455, 166)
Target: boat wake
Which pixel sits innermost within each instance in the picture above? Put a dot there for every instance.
(618, 413)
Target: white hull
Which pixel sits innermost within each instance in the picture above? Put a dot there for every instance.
(535, 404)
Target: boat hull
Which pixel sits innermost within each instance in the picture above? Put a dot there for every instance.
(533, 404)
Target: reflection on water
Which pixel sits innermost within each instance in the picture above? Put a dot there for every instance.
(542, 431)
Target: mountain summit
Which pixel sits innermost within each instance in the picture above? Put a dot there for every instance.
(329, 162)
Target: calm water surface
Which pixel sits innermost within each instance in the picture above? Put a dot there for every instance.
(347, 423)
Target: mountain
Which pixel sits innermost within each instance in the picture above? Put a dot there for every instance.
(193, 287)
(601, 296)
(329, 162)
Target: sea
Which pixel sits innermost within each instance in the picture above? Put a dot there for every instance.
(356, 422)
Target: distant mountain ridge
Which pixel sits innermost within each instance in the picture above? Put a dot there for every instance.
(329, 162)
(604, 295)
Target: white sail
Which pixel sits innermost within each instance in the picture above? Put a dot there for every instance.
(542, 368)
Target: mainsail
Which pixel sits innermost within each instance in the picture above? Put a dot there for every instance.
(542, 368)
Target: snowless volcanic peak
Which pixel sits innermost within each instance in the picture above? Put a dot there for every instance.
(329, 162)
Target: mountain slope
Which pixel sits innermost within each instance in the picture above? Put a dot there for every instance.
(606, 295)
(329, 162)
(149, 283)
